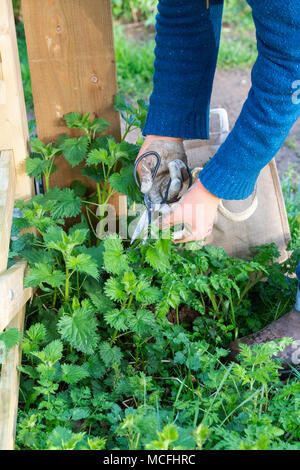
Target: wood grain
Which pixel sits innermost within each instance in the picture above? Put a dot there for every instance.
(9, 389)
(72, 64)
(13, 119)
(13, 296)
(7, 199)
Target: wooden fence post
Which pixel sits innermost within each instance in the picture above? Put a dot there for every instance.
(72, 65)
(14, 183)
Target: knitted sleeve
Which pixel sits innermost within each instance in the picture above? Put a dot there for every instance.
(187, 41)
(272, 106)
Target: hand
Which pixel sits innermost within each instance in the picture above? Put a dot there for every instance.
(173, 165)
(197, 210)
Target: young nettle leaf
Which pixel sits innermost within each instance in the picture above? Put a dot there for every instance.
(148, 295)
(142, 322)
(96, 253)
(110, 355)
(115, 260)
(64, 203)
(130, 150)
(77, 120)
(99, 125)
(114, 289)
(37, 332)
(80, 329)
(72, 374)
(158, 256)
(99, 156)
(96, 174)
(118, 319)
(36, 166)
(9, 338)
(46, 150)
(57, 239)
(51, 353)
(124, 183)
(35, 255)
(75, 150)
(63, 439)
(101, 302)
(41, 274)
(83, 263)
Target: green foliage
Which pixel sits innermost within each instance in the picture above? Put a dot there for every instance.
(125, 346)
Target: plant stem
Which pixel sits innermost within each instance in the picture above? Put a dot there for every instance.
(67, 285)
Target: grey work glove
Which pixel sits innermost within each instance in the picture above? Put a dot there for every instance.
(173, 166)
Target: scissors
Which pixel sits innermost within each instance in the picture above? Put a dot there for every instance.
(144, 223)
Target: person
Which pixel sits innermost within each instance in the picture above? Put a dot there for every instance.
(187, 43)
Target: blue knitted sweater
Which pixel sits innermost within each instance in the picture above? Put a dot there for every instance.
(187, 42)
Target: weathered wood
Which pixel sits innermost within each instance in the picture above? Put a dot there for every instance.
(13, 296)
(7, 198)
(13, 119)
(9, 389)
(72, 64)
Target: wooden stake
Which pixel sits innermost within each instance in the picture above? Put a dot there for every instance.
(72, 64)
(13, 119)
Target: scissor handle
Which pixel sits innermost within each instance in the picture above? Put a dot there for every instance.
(138, 161)
(158, 157)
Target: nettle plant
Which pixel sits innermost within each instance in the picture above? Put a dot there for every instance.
(124, 344)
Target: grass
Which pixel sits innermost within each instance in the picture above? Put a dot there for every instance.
(238, 46)
(134, 64)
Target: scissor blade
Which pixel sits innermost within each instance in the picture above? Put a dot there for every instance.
(141, 228)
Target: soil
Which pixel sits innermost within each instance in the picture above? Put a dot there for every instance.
(230, 91)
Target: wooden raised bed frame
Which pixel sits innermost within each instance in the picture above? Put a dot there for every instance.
(72, 64)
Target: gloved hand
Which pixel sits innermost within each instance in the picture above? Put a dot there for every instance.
(173, 165)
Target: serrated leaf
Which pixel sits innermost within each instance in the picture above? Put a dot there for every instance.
(124, 183)
(37, 332)
(80, 329)
(80, 413)
(95, 174)
(118, 319)
(72, 374)
(96, 366)
(115, 260)
(110, 355)
(36, 167)
(114, 289)
(64, 203)
(74, 120)
(148, 295)
(74, 150)
(101, 302)
(83, 263)
(51, 353)
(10, 337)
(142, 322)
(99, 125)
(158, 257)
(98, 156)
(43, 273)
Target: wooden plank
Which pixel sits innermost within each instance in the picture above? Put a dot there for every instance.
(9, 389)
(13, 119)
(7, 198)
(13, 296)
(72, 64)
